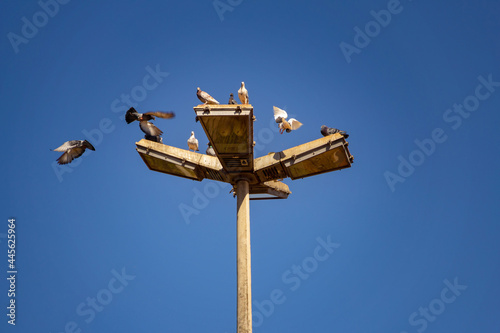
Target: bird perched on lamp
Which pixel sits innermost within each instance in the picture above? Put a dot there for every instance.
(205, 97)
(192, 142)
(325, 130)
(210, 150)
(231, 99)
(243, 94)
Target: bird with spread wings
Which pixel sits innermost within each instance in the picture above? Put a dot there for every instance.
(143, 119)
(72, 149)
(285, 125)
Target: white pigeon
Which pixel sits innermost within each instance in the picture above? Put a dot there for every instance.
(243, 94)
(193, 142)
(285, 125)
(205, 97)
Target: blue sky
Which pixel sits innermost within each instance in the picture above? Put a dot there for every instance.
(404, 241)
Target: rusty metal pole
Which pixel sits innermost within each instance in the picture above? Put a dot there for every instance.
(244, 302)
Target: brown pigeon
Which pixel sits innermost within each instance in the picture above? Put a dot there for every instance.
(205, 97)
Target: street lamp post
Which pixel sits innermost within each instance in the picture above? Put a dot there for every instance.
(244, 273)
(229, 128)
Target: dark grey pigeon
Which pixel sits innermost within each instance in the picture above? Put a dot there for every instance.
(210, 150)
(154, 138)
(144, 124)
(72, 149)
(325, 130)
(231, 99)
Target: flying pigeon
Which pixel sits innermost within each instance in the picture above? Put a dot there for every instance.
(288, 125)
(193, 142)
(325, 130)
(205, 97)
(210, 150)
(72, 149)
(243, 94)
(231, 100)
(144, 124)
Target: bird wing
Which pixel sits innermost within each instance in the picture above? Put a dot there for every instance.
(149, 128)
(70, 155)
(131, 115)
(161, 114)
(67, 145)
(294, 123)
(279, 114)
(209, 99)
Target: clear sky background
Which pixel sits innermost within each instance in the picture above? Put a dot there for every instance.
(102, 244)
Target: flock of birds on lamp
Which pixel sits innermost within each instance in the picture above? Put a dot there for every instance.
(75, 148)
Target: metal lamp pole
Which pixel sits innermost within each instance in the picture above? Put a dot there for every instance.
(244, 302)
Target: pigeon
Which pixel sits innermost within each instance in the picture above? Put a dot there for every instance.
(288, 125)
(325, 130)
(210, 150)
(154, 138)
(193, 142)
(243, 94)
(231, 99)
(205, 97)
(144, 124)
(72, 149)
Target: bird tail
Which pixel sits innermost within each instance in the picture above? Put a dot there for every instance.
(88, 145)
(131, 115)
